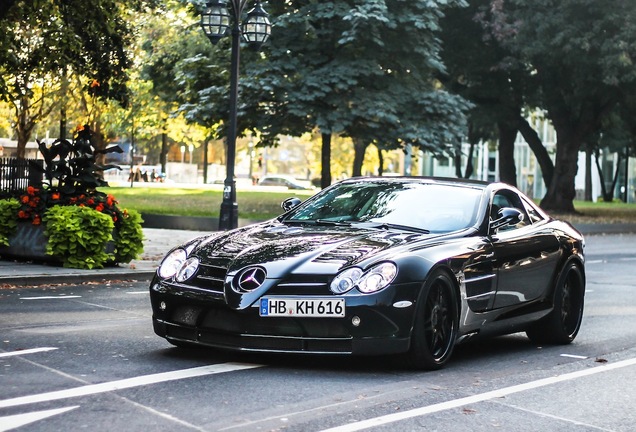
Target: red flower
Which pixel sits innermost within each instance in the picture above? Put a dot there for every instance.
(36, 220)
(23, 215)
(32, 191)
(24, 199)
(55, 196)
(100, 207)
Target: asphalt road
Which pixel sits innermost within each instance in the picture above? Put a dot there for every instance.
(85, 357)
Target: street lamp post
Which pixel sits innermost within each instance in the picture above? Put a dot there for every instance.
(217, 21)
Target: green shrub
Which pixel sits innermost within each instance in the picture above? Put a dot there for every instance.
(78, 236)
(129, 237)
(8, 221)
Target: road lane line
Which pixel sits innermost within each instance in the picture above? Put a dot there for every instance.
(26, 351)
(574, 356)
(139, 381)
(503, 392)
(15, 421)
(51, 297)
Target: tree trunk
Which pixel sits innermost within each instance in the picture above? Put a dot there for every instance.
(325, 161)
(64, 96)
(588, 172)
(380, 162)
(540, 152)
(359, 148)
(206, 142)
(561, 192)
(507, 166)
(97, 139)
(24, 127)
(164, 151)
(470, 168)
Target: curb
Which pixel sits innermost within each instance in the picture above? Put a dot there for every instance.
(49, 279)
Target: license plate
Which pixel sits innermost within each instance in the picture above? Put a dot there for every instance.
(277, 306)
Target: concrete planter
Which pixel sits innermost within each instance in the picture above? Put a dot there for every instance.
(28, 242)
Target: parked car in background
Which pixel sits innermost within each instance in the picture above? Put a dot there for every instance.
(405, 266)
(285, 181)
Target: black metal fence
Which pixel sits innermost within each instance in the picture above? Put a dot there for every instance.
(18, 174)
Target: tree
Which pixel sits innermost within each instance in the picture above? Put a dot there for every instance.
(42, 39)
(579, 53)
(361, 69)
(483, 71)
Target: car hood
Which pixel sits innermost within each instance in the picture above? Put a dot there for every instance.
(282, 249)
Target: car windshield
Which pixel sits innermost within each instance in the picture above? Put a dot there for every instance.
(432, 207)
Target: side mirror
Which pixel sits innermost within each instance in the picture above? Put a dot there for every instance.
(290, 203)
(506, 216)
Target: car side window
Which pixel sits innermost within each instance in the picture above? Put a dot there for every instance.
(533, 214)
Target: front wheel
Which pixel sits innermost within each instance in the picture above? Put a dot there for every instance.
(436, 323)
(563, 323)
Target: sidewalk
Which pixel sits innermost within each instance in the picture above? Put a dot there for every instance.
(157, 242)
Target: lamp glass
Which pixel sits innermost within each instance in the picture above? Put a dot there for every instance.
(215, 20)
(257, 28)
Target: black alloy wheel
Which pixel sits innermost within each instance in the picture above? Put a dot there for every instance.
(562, 324)
(436, 323)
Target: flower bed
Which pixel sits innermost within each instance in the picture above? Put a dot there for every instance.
(70, 221)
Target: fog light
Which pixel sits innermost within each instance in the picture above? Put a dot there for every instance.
(162, 306)
(355, 321)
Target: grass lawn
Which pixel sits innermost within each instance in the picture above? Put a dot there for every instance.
(264, 204)
(174, 200)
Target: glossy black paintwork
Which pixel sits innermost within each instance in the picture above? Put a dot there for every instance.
(505, 279)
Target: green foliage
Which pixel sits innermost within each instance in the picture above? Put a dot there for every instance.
(70, 167)
(8, 221)
(78, 236)
(129, 237)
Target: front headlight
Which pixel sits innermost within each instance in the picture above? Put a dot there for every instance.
(172, 263)
(346, 280)
(187, 270)
(374, 279)
(377, 278)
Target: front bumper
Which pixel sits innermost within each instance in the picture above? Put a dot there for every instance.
(372, 325)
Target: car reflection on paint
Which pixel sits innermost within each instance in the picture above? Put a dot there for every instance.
(403, 265)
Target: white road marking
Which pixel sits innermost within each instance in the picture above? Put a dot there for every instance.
(138, 292)
(15, 421)
(26, 351)
(127, 383)
(574, 356)
(51, 297)
(418, 412)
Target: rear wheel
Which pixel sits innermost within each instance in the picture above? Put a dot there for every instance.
(436, 322)
(563, 323)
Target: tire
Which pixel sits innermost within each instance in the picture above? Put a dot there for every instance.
(562, 325)
(436, 324)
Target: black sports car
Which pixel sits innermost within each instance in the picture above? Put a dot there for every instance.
(405, 265)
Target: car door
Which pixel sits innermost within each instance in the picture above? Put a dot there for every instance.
(526, 255)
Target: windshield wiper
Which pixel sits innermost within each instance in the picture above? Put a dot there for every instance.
(324, 222)
(331, 222)
(388, 226)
